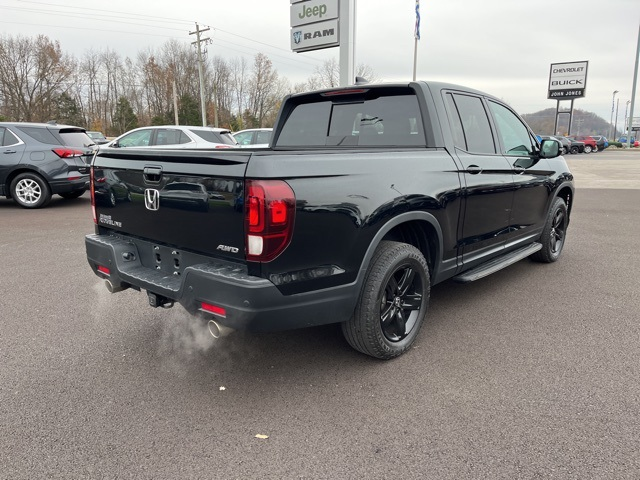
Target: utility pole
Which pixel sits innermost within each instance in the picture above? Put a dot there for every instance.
(198, 43)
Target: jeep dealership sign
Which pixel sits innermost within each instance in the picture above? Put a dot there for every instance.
(567, 80)
(314, 25)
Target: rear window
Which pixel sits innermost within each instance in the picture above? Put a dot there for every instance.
(76, 138)
(215, 137)
(352, 120)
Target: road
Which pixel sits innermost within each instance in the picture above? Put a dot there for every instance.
(530, 373)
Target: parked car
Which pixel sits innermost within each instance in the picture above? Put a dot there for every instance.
(590, 144)
(42, 159)
(254, 137)
(175, 136)
(575, 146)
(634, 142)
(98, 138)
(601, 142)
(563, 144)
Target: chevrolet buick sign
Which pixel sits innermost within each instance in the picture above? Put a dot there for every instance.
(567, 80)
(315, 36)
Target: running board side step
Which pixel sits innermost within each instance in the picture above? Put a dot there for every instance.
(492, 266)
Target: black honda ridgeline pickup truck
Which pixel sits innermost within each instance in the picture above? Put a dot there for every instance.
(366, 196)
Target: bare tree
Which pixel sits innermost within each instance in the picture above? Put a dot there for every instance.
(239, 81)
(33, 74)
(263, 90)
(328, 75)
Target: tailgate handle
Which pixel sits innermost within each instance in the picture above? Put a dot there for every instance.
(153, 174)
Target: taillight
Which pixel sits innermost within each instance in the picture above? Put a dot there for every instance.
(270, 207)
(93, 195)
(68, 152)
(223, 146)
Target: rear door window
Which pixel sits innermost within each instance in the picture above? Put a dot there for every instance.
(171, 136)
(263, 136)
(478, 137)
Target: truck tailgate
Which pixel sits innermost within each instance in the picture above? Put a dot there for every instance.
(190, 198)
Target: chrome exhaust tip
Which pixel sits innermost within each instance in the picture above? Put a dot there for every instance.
(115, 288)
(217, 331)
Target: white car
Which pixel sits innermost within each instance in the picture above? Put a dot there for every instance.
(175, 136)
(254, 137)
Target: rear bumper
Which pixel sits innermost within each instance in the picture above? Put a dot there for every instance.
(67, 186)
(249, 302)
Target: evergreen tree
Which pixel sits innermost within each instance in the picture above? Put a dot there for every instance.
(124, 117)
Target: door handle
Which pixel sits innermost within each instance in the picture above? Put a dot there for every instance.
(9, 151)
(152, 174)
(518, 170)
(473, 169)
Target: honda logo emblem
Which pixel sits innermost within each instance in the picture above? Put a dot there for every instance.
(152, 199)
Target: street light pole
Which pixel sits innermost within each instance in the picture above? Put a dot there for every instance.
(613, 106)
(615, 128)
(626, 110)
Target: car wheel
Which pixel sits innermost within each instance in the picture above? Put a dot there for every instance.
(30, 190)
(574, 150)
(72, 195)
(393, 302)
(587, 149)
(595, 149)
(565, 150)
(554, 233)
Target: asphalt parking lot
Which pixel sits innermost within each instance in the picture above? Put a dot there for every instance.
(530, 373)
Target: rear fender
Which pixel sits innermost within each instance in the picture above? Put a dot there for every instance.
(434, 262)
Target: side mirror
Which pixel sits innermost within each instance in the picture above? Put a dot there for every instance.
(549, 149)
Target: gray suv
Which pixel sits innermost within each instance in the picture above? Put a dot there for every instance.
(38, 160)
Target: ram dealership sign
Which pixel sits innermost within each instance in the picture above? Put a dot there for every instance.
(567, 80)
(314, 24)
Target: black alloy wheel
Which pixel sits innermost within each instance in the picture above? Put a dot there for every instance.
(400, 303)
(554, 233)
(393, 303)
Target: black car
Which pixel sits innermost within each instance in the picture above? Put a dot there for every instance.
(42, 159)
(575, 146)
(601, 142)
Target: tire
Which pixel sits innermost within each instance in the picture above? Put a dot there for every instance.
(574, 150)
(554, 233)
(565, 150)
(393, 302)
(587, 149)
(595, 149)
(30, 190)
(72, 195)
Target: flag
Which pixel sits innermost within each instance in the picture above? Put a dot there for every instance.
(417, 32)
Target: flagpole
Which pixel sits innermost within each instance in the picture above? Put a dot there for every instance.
(415, 59)
(416, 35)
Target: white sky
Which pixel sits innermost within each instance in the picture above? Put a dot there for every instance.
(503, 47)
